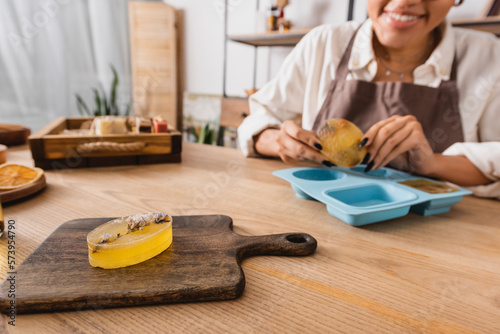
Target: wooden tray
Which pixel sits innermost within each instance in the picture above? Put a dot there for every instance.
(202, 264)
(51, 149)
(15, 194)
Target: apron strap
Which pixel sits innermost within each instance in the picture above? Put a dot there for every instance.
(453, 75)
(343, 67)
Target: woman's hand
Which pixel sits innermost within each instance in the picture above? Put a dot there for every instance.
(290, 143)
(400, 140)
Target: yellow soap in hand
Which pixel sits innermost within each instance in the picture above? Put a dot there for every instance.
(129, 240)
(340, 140)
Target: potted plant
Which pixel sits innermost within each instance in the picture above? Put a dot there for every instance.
(103, 105)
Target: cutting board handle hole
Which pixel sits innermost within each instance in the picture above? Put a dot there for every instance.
(296, 238)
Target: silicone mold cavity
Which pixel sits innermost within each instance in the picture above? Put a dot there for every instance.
(376, 173)
(371, 195)
(317, 174)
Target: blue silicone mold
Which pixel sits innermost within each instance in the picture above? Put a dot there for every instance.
(360, 198)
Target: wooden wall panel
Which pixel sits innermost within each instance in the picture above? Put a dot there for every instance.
(156, 58)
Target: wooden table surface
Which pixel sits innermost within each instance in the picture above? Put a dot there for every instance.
(436, 274)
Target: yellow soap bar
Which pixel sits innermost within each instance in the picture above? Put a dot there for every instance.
(109, 125)
(129, 240)
(340, 140)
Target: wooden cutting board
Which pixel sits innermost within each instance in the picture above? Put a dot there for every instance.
(202, 264)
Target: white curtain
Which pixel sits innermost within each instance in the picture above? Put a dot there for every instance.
(51, 50)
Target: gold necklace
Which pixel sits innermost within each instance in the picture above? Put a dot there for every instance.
(421, 55)
(389, 70)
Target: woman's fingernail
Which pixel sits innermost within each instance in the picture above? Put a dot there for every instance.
(328, 163)
(363, 142)
(369, 167)
(318, 146)
(366, 159)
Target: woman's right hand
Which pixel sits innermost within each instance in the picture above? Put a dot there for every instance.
(290, 143)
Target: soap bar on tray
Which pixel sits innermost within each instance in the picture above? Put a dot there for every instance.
(110, 125)
(160, 125)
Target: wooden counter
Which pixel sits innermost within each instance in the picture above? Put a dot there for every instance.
(436, 274)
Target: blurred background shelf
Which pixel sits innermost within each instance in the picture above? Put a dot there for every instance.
(488, 24)
(287, 38)
(292, 37)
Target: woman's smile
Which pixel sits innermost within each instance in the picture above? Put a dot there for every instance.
(401, 20)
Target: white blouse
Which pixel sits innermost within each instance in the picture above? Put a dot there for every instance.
(299, 89)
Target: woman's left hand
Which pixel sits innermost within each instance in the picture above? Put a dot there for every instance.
(400, 140)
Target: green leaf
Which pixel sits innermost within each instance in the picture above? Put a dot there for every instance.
(208, 134)
(220, 136)
(83, 109)
(127, 111)
(107, 107)
(210, 137)
(114, 86)
(201, 137)
(98, 103)
(192, 130)
(104, 104)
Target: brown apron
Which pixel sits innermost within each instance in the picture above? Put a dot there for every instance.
(365, 103)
